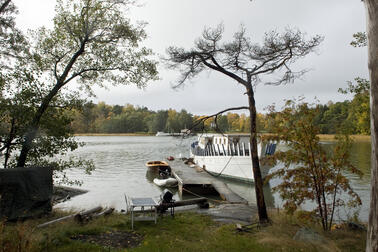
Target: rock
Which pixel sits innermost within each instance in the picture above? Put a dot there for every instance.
(63, 193)
(356, 226)
(189, 161)
(308, 235)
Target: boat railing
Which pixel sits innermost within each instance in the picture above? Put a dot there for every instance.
(222, 150)
(231, 149)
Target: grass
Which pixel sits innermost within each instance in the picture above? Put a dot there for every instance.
(186, 232)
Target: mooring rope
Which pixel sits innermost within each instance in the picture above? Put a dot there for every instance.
(220, 173)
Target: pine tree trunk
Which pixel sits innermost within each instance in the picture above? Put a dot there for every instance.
(261, 207)
(372, 33)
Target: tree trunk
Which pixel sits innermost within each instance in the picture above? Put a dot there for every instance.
(372, 34)
(34, 125)
(261, 207)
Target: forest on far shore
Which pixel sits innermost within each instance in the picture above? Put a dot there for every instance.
(350, 116)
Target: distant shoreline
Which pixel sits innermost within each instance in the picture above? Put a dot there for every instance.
(323, 137)
(331, 137)
(115, 134)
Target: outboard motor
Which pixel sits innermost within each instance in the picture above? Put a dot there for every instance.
(167, 201)
(166, 196)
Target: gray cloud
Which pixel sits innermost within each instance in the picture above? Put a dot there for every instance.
(179, 23)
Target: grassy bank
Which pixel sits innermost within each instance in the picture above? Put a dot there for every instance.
(185, 232)
(331, 137)
(328, 137)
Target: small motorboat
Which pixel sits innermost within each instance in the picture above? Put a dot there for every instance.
(161, 167)
(156, 164)
(168, 182)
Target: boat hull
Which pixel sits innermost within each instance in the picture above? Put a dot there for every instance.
(233, 167)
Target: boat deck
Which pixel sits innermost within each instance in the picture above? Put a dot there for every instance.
(192, 180)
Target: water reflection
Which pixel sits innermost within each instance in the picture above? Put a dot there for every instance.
(151, 175)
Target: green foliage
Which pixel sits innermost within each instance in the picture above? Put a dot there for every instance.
(359, 107)
(360, 39)
(309, 172)
(92, 42)
(103, 118)
(13, 44)
(159, 121)
(335, 118)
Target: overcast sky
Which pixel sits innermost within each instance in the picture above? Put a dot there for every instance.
(180, 22)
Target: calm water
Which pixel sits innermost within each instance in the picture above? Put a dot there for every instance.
(120, 169)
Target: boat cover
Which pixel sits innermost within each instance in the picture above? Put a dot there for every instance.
(25, 192)
(165, 182)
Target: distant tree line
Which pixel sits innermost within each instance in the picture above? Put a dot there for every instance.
(350, 116)
(104, 118)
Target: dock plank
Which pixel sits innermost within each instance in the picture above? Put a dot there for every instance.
(190, 178)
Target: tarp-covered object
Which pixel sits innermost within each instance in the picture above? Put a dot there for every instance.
(25, 192)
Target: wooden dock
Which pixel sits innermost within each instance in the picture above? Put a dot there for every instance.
(192, 180)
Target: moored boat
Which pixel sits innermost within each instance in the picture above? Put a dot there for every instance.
(156, 164)
(160, 133)
(229, 155)
(161, 167)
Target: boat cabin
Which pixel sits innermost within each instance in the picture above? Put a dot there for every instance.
(222, 144)
(222, 139)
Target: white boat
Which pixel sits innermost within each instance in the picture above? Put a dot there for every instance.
(228, 155)
(183, 133)
(161, 133)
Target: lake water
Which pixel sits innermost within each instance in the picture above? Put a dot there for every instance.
(120, 169)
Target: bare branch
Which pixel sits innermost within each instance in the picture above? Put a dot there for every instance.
(204, 118)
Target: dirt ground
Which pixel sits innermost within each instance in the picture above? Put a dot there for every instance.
(114, 239)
